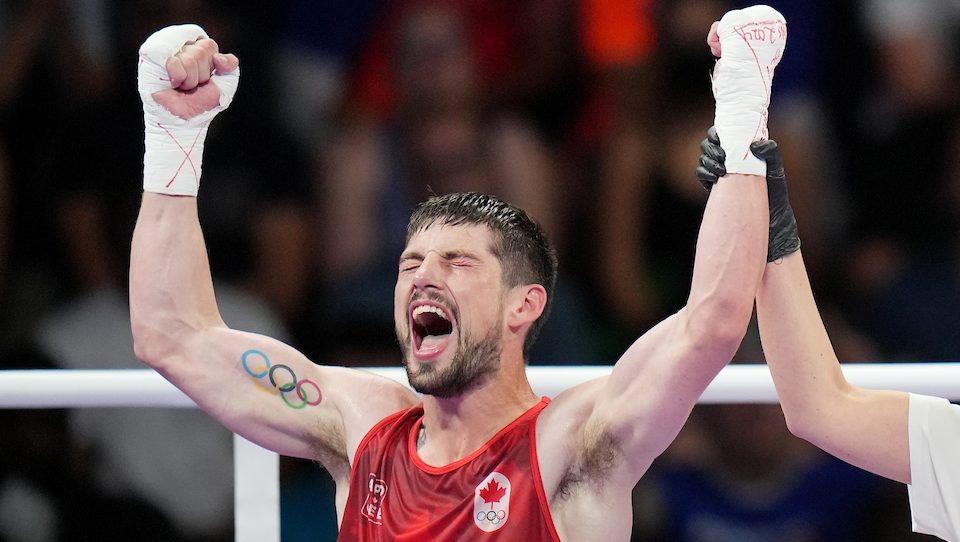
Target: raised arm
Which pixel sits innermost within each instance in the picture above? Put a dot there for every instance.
(866, 428)
(256, 386)
(639, 409)
(656, 383)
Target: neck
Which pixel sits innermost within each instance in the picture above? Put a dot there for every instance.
(457, 426)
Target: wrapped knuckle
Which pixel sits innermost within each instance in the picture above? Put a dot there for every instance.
(185, 59)
(192, 57)
(208, 45)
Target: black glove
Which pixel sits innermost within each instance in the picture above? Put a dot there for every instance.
(784, 237)
(712, 159)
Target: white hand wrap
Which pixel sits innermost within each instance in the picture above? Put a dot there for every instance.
(752, 41)
(174, 146)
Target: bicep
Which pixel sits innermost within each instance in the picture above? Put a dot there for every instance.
(272, 395)
(637, 410)
(654, 386)
(625, 420)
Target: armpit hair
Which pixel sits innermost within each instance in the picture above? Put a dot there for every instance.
(597, 454)
(330, 445)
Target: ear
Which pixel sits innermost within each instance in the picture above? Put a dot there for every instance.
(526, 305)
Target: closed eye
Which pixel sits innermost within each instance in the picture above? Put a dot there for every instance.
(409, 264)
(461, 259)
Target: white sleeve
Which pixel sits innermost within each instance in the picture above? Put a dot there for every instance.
(935, 466)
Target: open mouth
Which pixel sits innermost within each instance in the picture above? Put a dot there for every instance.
(431, 327)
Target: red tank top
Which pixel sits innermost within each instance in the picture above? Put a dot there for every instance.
(494, 494)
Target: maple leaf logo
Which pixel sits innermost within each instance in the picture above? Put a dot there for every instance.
(492, 493)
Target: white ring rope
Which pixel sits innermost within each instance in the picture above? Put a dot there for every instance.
(256, 495)
(735, 384)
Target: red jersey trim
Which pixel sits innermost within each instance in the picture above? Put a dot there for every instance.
(430, 469)
(363, 444)
(538, 483)
(366, 440)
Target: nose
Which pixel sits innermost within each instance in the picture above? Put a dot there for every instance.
(429, 272)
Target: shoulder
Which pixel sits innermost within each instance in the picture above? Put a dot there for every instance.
(384, 430)
(368, 396)
(364, 399)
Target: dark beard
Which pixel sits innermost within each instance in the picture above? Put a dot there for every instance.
(472, 365)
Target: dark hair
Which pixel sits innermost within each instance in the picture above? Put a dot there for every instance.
(525, 253)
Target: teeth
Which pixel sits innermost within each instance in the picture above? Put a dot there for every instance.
(428, 308)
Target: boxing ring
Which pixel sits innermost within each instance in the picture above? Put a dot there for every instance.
(256, 471)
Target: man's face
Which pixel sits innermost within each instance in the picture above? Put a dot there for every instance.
(448, 307)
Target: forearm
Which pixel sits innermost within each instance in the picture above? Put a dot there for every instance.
(171, 291)
(798, 350)
(684, 353)
(732, 245)
(731, 248)
(866, 428)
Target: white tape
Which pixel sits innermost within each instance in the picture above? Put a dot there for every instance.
(174, 146)
(752, 41)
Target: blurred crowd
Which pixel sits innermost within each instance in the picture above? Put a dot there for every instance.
(587, 113)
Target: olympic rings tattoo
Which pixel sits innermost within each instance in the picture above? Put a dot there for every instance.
(289, 380)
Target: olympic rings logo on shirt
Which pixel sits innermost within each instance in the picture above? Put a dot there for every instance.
(283, 379)
(494, 517)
